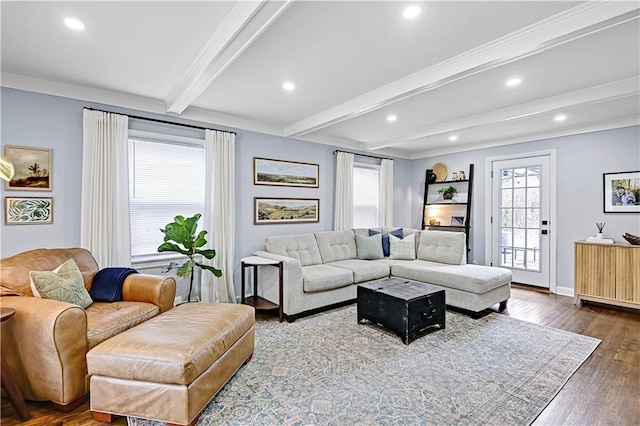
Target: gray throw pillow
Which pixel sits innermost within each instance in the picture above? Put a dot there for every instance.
(369, 248)
(402, 249)
(65, 284)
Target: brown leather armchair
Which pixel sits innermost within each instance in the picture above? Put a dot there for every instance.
(46, 342)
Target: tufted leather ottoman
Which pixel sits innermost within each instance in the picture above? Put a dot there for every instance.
(171, 366)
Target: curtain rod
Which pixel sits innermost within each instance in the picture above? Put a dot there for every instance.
(363, 155)
(156, 120)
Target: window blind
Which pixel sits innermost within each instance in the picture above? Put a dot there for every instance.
(165, 180)
(365, 196)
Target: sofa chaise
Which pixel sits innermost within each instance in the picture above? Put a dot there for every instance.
(322, 270)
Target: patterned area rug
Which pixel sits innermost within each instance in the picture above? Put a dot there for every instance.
(328, 370)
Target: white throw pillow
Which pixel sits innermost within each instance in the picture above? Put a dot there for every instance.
(402, 249)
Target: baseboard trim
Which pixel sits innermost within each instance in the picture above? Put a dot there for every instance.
(565, 291)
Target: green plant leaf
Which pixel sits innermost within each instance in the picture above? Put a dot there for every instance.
(179, 220)
(185, 269)
(208, 253)
(216, 272)
(171, 247)
(176, 232)
(201, 240)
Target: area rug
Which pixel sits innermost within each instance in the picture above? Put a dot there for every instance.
(328, 370)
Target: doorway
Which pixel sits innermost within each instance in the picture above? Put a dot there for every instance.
(522, 217)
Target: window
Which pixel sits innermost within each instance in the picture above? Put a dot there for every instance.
(165, 180)
(365, 195)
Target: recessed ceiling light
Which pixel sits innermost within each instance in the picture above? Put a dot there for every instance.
(412, 11)
(453, 138)
(288, 86)
(391, 118)
(74, 24)
(560, 117)
(513, 82)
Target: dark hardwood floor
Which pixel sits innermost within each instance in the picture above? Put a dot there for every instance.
(604, 391)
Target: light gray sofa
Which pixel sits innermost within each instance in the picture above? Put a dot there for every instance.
(322, 270)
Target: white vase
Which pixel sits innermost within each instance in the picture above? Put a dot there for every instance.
(599, 235)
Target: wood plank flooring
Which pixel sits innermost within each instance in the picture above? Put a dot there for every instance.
(604, 391)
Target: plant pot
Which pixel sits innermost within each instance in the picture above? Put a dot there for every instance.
(448, 196)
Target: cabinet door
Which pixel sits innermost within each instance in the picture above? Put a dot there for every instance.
(628, 274)
(595, 270)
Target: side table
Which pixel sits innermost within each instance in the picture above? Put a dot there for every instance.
(260, 303)
(8, 382)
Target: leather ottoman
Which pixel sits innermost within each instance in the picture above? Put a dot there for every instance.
(170, 367)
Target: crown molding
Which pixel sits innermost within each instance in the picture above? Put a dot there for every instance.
(597, 94)
(89, 94)
(246, 21)
(617, 123)
(582, 20)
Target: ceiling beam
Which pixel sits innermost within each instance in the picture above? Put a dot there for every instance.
(577, 22)
(246, 21)
(591, 95)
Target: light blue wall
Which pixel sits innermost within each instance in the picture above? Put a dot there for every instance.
(32, 119)
(581, 161)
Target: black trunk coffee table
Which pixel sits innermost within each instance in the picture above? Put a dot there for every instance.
(403, 306)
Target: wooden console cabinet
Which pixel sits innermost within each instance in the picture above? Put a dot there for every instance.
(607, 273)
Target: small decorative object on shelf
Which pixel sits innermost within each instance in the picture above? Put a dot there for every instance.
(461, 175)
(633, 239)
(448, 193)
(600, 228)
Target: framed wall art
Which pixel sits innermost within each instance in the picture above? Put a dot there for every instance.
(457, 220)
(32, 168)
(285, 173)
(285, 210)
(28, 210)
(621, 192)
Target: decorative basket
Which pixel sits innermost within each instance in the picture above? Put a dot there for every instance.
(633, 239)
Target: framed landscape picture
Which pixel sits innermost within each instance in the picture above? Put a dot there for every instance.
(621, 192)
(32, 168)
(28, 210)
(285, 173)
(285, 210)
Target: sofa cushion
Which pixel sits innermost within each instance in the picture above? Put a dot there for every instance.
(325, 277)
(336, 245)
(442, 247)
(364, 270)
(303, 248)
(470, 278)
(369, 248)
(402, 249)
(386, 248)
(64, 283)
(105, 320)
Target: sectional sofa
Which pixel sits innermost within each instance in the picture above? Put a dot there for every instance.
(323, 269)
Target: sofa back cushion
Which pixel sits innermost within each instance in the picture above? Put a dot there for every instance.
(14, 270)
(303, 248)
(443, 247)
(336, 245)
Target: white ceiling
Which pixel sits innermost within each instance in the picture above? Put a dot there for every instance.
(353, 64)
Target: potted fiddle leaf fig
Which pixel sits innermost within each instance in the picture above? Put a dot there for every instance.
(448, 192)
(180, 237)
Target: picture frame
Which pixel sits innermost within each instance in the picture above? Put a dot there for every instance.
(272, 172)
(28, 210)
(457, 220)
(32, 168)
(621, 192)
(271, 210)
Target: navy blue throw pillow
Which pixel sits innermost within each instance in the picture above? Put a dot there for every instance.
(107, 284)
(386, 245)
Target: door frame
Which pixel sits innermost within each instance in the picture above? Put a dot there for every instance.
(488, 208)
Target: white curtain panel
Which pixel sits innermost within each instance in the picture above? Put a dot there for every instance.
(104, 220)
(386, 193)
(343, 218)
(219, 215)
